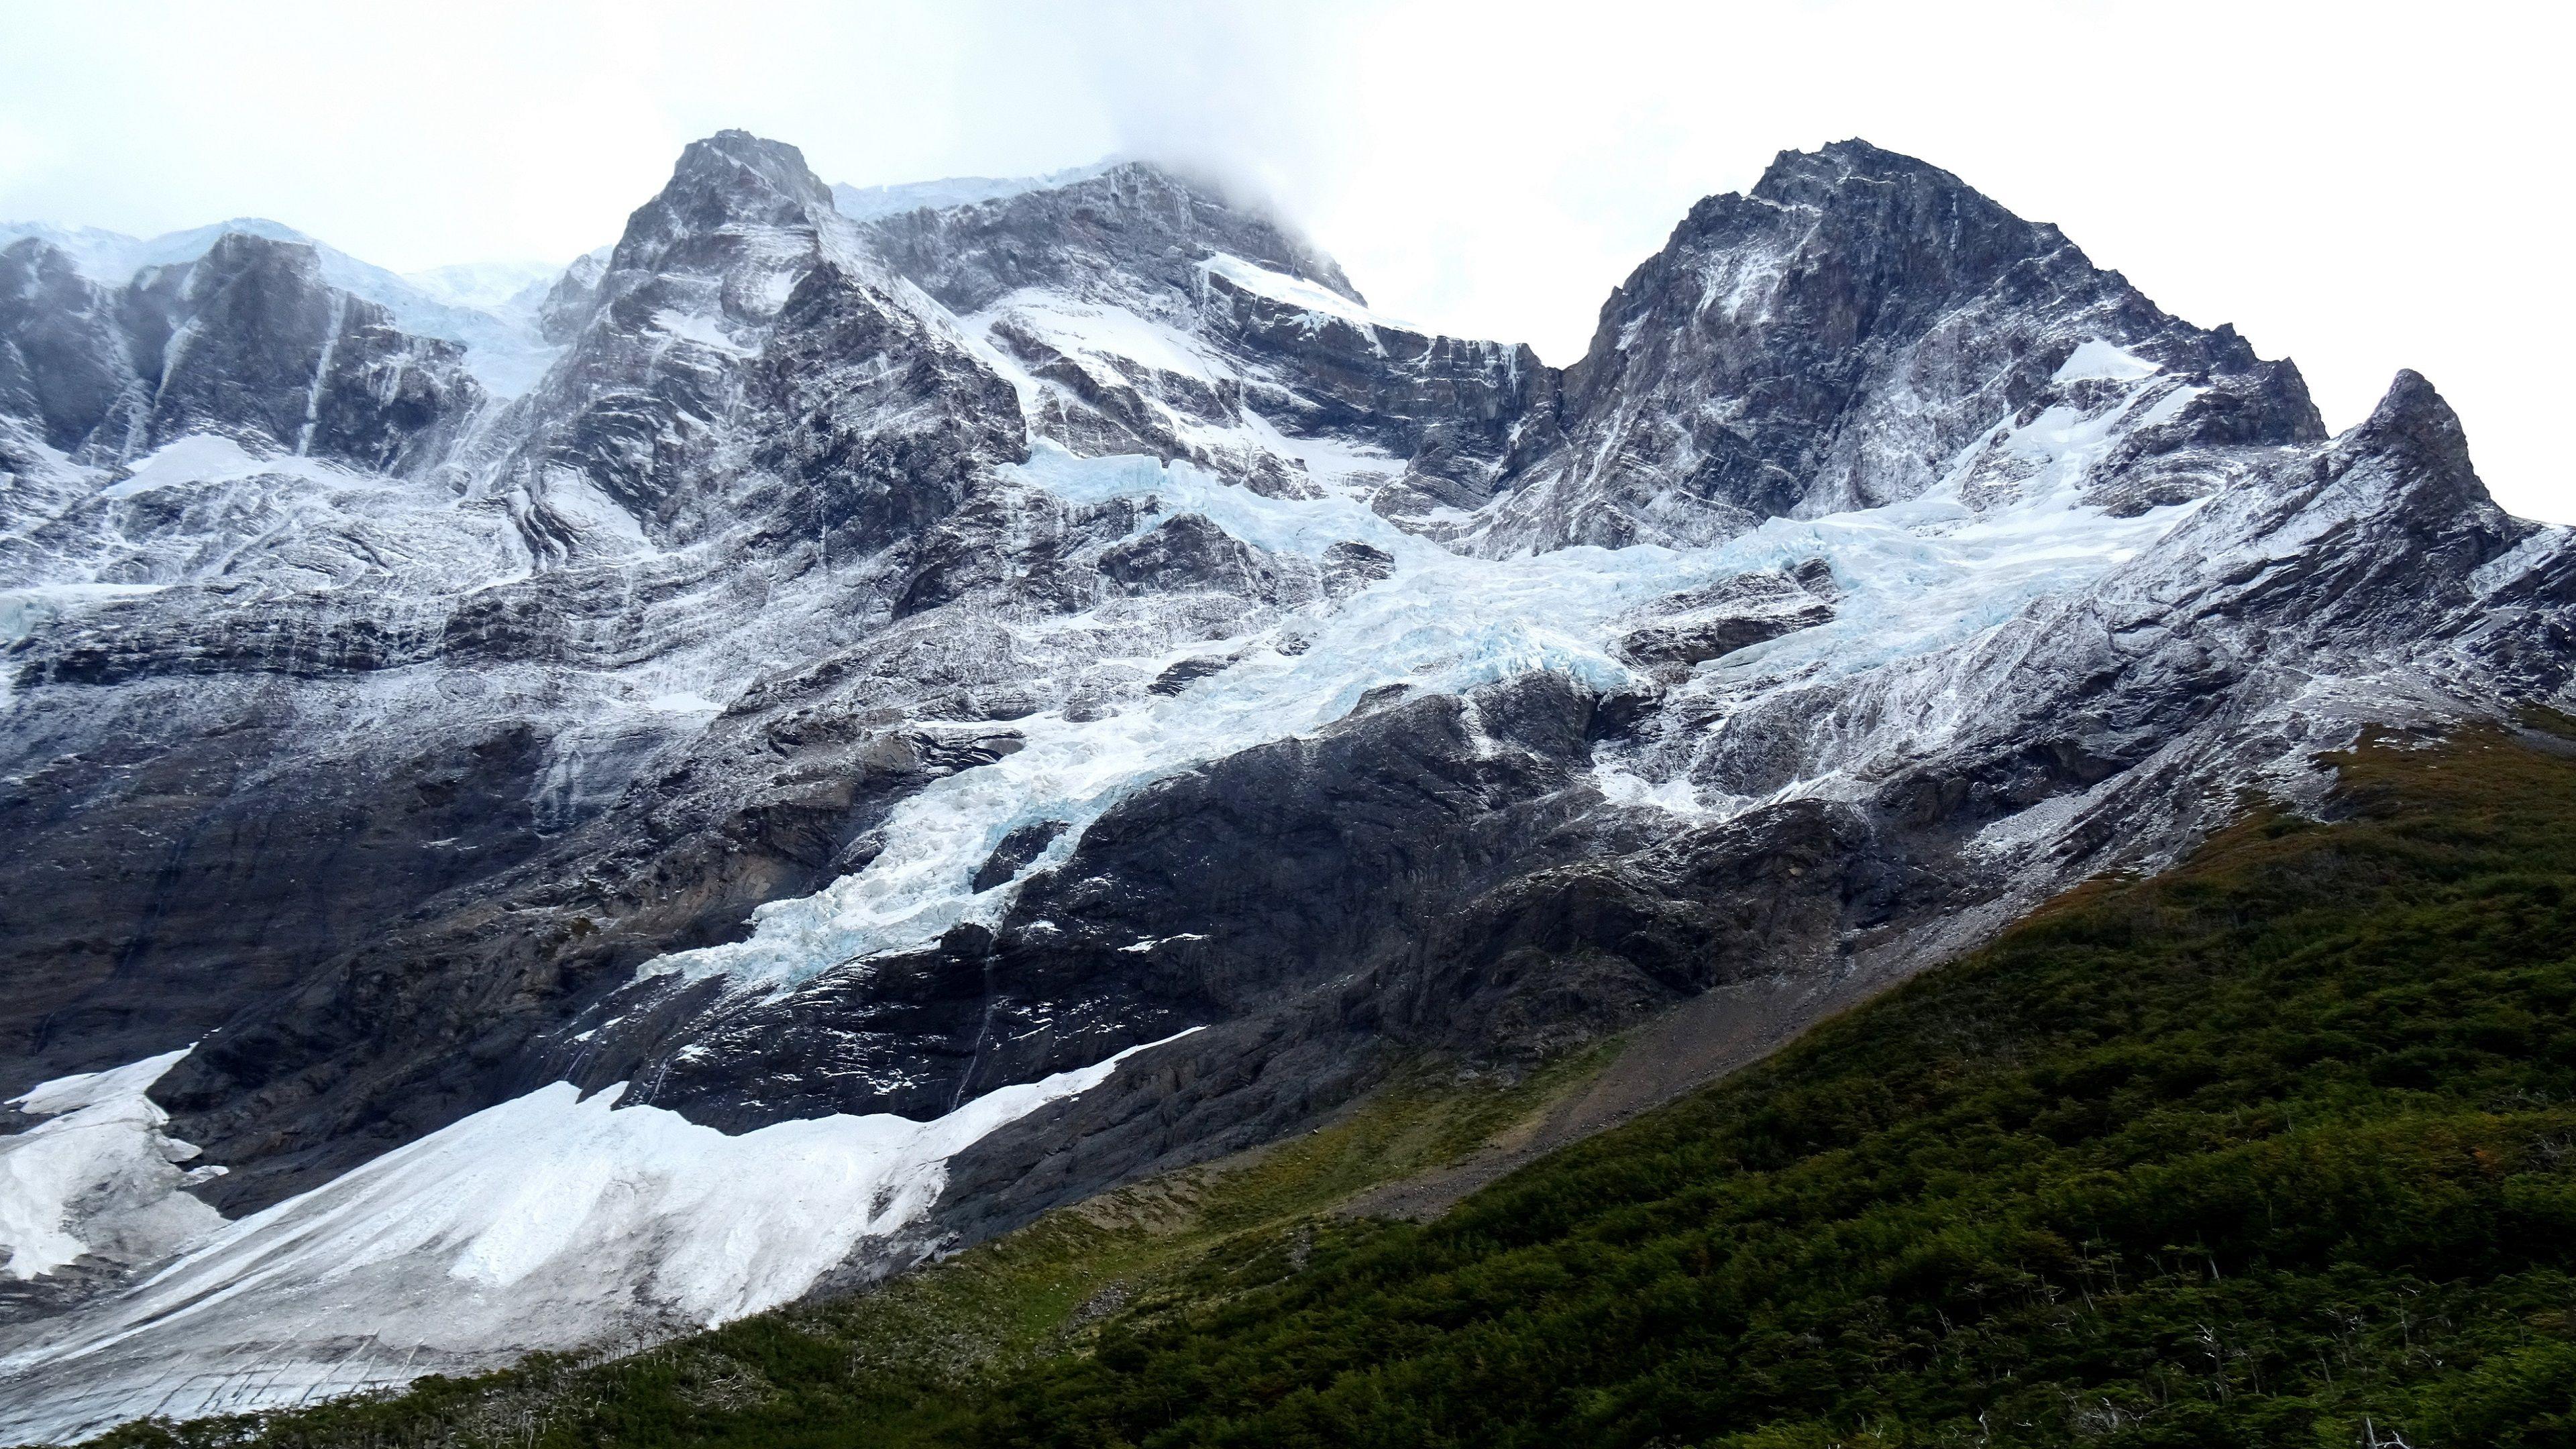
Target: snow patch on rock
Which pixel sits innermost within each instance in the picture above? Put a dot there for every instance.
(2095, 358)
(1317, 302)
(98, 1177)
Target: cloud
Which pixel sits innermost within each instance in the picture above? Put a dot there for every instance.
(23, 156)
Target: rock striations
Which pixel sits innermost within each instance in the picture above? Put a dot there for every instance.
(952, 706)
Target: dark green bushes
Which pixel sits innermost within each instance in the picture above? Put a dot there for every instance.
(2278, 1149)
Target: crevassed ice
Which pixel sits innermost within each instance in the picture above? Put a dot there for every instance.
(1917, 576)
(1443, 622)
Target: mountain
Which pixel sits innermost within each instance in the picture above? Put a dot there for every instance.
(924, 713)
(1832, 341)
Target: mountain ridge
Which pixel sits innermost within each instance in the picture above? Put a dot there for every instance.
(886, 663)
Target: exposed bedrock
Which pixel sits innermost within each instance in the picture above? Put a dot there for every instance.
(1831, 340)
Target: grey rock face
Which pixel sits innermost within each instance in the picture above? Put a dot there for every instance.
(1186, 552)
(247, 342)
(1446, 406)
(1135, 303)
(1070, 616)
(1832, 340)
(65, 352)
(257, 342)
(1711, 623)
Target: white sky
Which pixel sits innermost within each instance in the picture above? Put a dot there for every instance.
(2361, 187)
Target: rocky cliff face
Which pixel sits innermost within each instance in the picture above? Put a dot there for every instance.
(1830, 341)
(894, 661)
(247, 342)
(1140, 313)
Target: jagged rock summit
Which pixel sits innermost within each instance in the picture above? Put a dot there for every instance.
(1830, 341)
(866, 716)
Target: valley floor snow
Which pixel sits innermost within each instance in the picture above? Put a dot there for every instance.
(552, 1221)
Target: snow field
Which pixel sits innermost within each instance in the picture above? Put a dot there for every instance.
(552, 1221)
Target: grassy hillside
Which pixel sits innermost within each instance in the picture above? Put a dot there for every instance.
(2278, 1148)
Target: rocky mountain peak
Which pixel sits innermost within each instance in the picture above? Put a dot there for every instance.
(1838, 169)
(1832, 340)
(1100, 236)
(724, 190)
(738, 294)
(30, 263)
(263, 347)
(239, 258)
(1851, 243)
(2414, 441)
(740, 162)
(248, 339)
(2415, 423)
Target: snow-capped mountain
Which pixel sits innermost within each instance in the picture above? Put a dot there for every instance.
(922, 705)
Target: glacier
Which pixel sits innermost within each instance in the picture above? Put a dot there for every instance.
(1918, 577)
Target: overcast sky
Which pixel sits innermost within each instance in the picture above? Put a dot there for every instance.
(2359, 187)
